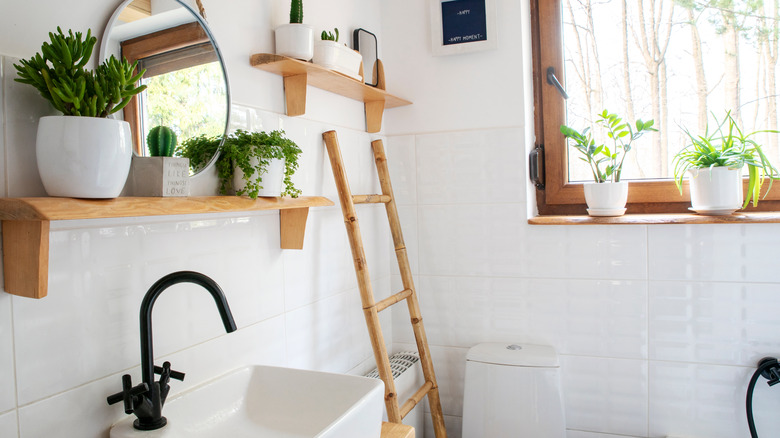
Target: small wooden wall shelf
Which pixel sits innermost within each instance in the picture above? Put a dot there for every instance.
(26, 224)
(297, 74)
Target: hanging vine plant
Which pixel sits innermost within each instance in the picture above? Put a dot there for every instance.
(249, 151)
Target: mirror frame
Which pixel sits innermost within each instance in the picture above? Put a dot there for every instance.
(204, 26)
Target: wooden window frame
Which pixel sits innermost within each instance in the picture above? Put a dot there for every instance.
(559, 196)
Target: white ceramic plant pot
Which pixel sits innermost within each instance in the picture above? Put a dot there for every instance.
(338, 57)
(83, 157)
(606, 199)
(272, 179)
(716, 190)
(295, 40)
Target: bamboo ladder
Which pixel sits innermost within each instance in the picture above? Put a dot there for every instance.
(371, 308)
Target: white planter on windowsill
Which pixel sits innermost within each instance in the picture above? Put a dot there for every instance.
(716, 190)
(606, 199)
(338, 57)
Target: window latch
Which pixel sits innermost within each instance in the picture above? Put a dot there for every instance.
(536, 166)
(552, 80)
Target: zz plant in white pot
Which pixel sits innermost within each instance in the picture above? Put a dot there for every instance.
(83, 153)
(714, 162)
(607, 195)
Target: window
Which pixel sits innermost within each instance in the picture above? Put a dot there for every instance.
(678, 62)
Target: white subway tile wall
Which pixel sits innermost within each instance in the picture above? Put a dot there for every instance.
(62, 355)
(658, 327)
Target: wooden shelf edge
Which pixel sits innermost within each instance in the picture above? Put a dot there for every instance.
(54, 209)
(26, 224)
(660, 219)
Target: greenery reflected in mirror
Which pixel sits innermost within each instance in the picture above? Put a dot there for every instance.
(187, 88)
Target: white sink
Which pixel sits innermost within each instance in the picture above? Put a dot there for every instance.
(262, 401)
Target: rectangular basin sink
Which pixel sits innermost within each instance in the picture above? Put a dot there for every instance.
(273, 402)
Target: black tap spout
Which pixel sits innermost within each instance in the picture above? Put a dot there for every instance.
(149, 410)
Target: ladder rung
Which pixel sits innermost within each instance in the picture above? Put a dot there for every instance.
(371, 199)
(392, 299)
(413, 400)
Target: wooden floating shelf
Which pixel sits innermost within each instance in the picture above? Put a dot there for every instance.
(298, 74)
(26, 223)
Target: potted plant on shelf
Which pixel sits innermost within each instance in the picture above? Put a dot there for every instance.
(714, 162)
(160, 174)
(607, 195)
(250, 163)
(337, 57)
(83, 153)
(295, 39)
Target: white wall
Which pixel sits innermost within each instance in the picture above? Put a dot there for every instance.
(659, 327)
(61, 356)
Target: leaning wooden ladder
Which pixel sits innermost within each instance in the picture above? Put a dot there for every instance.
(371, 308)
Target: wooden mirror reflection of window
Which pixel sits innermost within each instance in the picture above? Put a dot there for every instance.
(162, 52)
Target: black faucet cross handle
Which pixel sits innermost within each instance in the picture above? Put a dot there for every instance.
(166, 372)
(128, 393)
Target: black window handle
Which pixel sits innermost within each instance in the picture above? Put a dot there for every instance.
(552, 80)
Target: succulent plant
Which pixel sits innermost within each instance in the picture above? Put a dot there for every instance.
(296, 11)
(327, 36)
(59, 75)
(161, 141)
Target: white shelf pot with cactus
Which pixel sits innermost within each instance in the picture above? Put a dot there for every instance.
(83, 153)
(295, 39)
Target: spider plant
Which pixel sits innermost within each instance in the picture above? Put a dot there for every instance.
(727, 146)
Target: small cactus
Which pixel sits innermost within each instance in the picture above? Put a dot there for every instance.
(161, 141)
(296, 11)
(327, 36)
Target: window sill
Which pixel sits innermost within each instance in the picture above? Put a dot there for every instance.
(666, 218)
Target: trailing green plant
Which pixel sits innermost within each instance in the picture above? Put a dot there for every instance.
(621, 134)
(161, 141)
(58, 73)
(327, 36)
(727, 146)
(238, 151)
(296, 11)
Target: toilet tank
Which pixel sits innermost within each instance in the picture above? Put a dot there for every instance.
(512, 390)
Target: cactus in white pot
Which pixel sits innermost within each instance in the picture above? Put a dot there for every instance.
(295, 39)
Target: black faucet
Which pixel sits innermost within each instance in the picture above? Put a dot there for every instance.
(146, 400)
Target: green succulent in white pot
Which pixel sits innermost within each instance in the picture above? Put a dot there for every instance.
(83, 153)
(608, 194)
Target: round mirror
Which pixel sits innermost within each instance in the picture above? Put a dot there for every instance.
(186, 80)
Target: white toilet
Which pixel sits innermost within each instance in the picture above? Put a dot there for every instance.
(512, 391)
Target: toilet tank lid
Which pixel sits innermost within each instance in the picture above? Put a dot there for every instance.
(521, 355)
